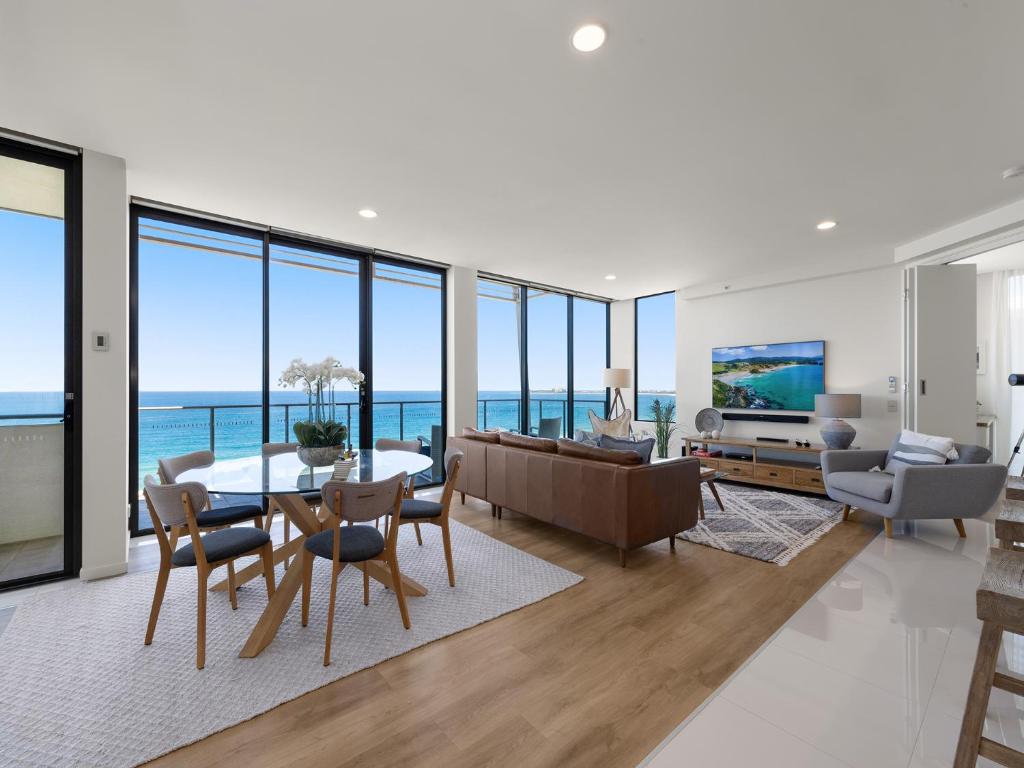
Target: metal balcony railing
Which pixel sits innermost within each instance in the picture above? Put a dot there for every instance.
(504, 412)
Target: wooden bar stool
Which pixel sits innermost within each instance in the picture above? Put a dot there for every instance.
(1010, 525)
(1001, 608)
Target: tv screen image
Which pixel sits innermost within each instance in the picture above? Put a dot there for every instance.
(777, 377)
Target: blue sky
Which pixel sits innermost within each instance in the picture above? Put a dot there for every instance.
(32, 310)
(656, 343)
(797, 349)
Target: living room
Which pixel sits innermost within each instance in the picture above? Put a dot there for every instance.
(453, 384)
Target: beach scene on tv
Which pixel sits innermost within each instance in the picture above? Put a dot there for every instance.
(782, 377)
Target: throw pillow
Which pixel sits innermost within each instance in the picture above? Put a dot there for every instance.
(644, 447)
(915, 449)
(528, 442)
(580, 451)
(617, 427)
(587, 438)
(476, 434)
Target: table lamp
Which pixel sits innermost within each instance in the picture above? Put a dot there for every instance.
(617, 378)
(837, 433)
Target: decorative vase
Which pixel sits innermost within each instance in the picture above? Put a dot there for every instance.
(838, 434)
(319, 455)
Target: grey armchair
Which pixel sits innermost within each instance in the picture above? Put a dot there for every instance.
(965, 488)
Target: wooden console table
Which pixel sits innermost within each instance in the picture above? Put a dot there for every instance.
(800, 471)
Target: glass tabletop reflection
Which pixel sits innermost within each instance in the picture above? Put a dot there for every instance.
(284, 473)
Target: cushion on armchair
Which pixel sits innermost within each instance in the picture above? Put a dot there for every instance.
(913, 449)
(871, 485)
(972, 454)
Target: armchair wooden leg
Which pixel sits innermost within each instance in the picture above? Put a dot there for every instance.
(231, 586)
(201, 620)
(960, 527)
(335, 570)
(446, 537)
(846, 512)
(419, 537)
(888, 528)
(158, 600)
(267, 555)
(307, 584)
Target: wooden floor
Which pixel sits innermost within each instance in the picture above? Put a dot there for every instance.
(597, 675)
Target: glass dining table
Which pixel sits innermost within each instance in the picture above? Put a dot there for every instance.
(284, 479)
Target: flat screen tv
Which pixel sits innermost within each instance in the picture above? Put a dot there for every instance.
(776, 377)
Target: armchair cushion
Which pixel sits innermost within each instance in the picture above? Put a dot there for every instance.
(851, 461)
(871, 485)
(972, 454)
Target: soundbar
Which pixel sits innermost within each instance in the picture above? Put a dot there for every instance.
(782, 418)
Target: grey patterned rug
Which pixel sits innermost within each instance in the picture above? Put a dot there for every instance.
(80, 689)
(773, 526)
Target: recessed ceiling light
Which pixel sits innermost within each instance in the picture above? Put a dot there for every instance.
(609, 277)
(1010, 173)
(368, 213)
(826, 225)
(588, 38)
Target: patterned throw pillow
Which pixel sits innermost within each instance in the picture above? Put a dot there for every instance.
(617, 427)
(644, 447)
(587, 438)
(914, 449)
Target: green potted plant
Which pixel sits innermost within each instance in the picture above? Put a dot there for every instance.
(320, 436)
(664, 425)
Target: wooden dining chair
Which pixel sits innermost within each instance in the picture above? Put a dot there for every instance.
(211, 517)
(434, 512)
(312, 498)
(411, 446)
(355, 544)
(175, 505)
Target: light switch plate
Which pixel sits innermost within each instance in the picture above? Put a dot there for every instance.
(892, 384)
(891, 406)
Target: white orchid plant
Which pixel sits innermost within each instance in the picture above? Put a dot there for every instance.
(317, 380)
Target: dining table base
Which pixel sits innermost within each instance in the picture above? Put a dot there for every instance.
(308, 523)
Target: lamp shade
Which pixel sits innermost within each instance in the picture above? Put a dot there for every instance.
(618, 377)
(837, 406)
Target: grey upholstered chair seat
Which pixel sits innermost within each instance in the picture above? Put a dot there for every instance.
(220, 545)
(418, 509)
(870, 485)
(358, 543)
(311, 497)
(228, 515)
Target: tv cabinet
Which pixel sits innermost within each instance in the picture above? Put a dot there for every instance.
(777, 465)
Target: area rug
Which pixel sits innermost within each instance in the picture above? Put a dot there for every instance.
(79, 687)
(766, 525)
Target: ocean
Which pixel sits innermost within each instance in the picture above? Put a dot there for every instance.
(172, 423)
(791, 388)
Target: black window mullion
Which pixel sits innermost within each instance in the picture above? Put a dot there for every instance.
(570, 425)
(266, 337)
(365, 352)
(524, 369)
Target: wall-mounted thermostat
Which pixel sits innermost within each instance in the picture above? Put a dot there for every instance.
(101, 341)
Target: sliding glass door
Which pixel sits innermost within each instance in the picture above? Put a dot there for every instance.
(219, 311)
(547, 347)
(499, 356)
(38, 365)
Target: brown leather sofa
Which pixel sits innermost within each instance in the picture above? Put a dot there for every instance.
(627, 505)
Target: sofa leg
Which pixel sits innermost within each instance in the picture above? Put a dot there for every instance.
(888, 528)
(463, 497)
(960, 527)
(622, 558)
(499, 513)
(846, 512)
(494, 510)
(672, 543)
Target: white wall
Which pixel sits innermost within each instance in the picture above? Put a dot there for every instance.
(462, 350)
(622, 339)
(104, 395)
(859, 315)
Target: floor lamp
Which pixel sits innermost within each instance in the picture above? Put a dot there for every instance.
(617, 378)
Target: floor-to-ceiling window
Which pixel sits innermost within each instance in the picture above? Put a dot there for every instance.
(547, 348)
(200, 343)
(315, 313)
(499, 355)
(589, 359)
(540, 360)
(39, 350)
(655, 374)
(219, 311)
(408, 356)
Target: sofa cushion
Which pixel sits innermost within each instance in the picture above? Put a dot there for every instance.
(610, 455)
(644, 447)
(869, 485)
(587, 438)
(972, 454)
(484, 437)
(530, 443)
(617, 427)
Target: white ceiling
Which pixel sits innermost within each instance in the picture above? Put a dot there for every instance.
(1008, 257)
(704, 141)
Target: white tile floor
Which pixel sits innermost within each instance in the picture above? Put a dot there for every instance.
(872, 672)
